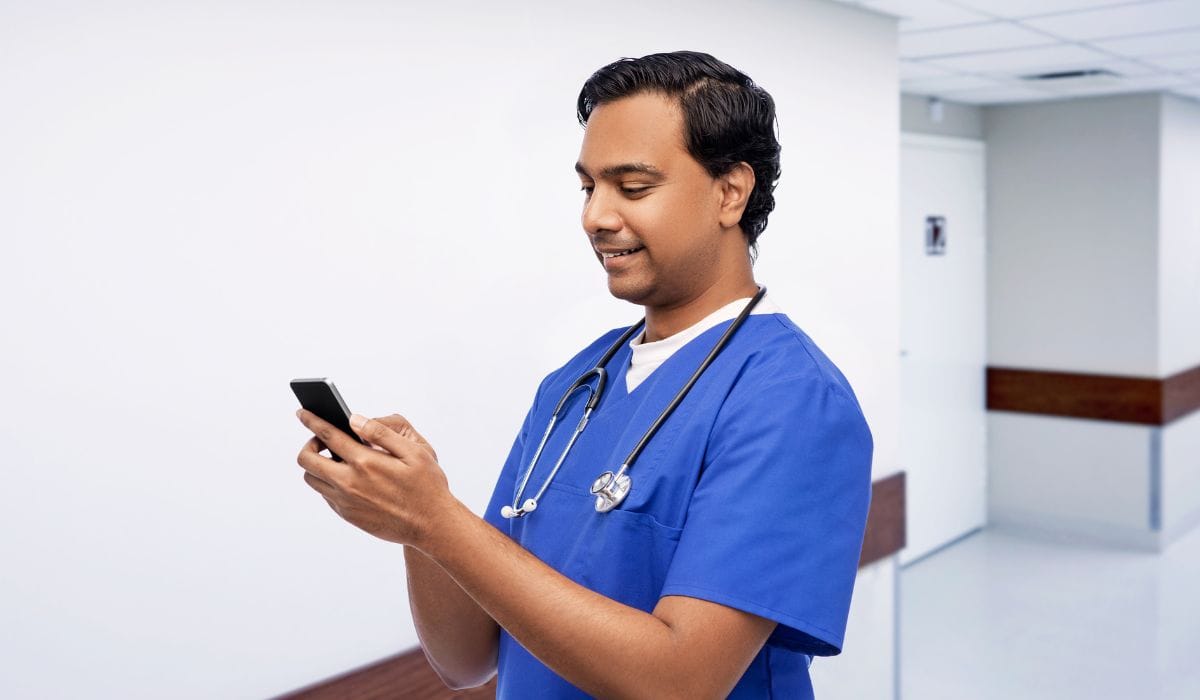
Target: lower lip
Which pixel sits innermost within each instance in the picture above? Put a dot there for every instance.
(621, 260)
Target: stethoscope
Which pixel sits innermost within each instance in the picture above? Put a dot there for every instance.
(611, 489)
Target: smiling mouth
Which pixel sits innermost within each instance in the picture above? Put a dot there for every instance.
(623, 252)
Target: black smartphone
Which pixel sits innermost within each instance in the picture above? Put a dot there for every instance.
(322, 398)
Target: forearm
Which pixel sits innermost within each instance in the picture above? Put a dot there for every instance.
(603, 647)
(460, 639)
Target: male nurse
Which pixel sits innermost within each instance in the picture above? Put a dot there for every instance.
(730, 564)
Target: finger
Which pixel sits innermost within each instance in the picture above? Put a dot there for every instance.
(337, 441)
(314, 444)
(378, 433)
(321, 467)
(335, 508)
(400, 425)
(321, 486)
(404, 428)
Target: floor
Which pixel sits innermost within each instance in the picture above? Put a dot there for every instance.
(999, 615)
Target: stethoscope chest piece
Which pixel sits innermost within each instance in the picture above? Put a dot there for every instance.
(610, 490)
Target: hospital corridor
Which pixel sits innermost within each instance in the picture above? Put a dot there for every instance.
(829, 349)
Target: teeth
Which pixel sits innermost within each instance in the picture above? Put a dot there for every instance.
(624, 252)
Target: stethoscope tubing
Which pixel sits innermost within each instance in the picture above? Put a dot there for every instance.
(613, 490)
(712, 355)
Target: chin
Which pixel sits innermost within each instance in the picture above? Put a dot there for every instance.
(634, 291)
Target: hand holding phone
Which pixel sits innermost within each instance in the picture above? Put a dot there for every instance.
(320, 396)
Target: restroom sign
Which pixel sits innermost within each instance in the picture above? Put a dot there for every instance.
(935, 235)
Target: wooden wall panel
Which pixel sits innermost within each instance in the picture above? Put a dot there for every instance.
(886, 533)
(1094, 396)
(1181, 394)
(1139, 400)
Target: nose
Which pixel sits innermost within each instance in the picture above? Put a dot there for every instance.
(600, 212)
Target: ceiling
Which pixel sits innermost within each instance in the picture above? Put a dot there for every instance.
(981, 51)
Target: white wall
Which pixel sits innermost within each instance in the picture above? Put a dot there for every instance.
(1179, 304)
(958, 119)
(870, 643)
(1084, 478)
(1072, 221)
(1179, 236)
(942, 339)
(1095, 257)
(203, 201)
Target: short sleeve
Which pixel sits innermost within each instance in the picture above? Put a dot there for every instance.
(506, 486)
(775, 525)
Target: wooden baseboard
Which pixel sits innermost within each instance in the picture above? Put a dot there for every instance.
(406, 675)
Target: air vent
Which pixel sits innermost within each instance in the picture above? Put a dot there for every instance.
(1095, 77)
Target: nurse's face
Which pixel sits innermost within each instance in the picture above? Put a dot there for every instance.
(644, 191)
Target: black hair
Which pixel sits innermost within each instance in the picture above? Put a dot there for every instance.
(727, 118)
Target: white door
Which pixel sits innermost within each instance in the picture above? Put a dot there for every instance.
(942, 349)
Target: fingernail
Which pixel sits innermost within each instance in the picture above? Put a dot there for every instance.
(357, 421)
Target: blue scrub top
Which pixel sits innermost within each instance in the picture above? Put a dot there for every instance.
(753, 494)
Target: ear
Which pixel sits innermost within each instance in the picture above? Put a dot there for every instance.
(735, 188)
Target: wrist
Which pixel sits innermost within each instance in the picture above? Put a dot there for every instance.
(443, 527)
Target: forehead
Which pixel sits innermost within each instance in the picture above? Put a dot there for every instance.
(645, 128)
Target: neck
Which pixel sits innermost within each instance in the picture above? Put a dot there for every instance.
(665, 321)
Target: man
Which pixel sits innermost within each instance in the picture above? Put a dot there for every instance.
(731, 560)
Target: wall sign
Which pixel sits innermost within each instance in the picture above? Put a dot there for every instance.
(935, 235)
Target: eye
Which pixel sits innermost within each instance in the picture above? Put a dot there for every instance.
(586, 189)
(634, 190)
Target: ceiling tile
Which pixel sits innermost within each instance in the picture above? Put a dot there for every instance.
(913, 70)
(974, 51)
(917, 15)
(997, 95)
(1163, 44)
(1183, 63)
(1025, 61)
(980, 37)
(1126, 20)
(1127, 69)
(1122, 69)
(936, 86)
(1027, 8)
(1146, 84)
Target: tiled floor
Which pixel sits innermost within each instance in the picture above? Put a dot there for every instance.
(998, 615)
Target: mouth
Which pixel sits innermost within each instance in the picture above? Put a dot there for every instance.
(630, 251)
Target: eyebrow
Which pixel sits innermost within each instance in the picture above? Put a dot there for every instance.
(622, 169)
